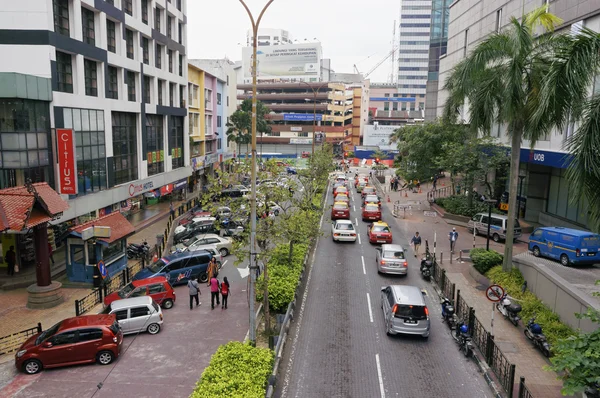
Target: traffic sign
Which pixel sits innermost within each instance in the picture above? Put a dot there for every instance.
(102, 269)
(494, 293)
(430, 213)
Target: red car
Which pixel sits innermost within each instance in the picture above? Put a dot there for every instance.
(157, 287)
(340, 210)
(368, 190)
(340, 190)
(379, 232)
(371, 212)
(72, 341)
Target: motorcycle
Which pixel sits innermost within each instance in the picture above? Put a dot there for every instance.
(448, 314)
(426, 264)
(138, 251)
(463, 338)
(533, 332)
(593, 391)
(508, 309)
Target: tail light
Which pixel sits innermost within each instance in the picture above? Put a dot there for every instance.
(161, 316)
(114, 339)
(394, 308)
(405, 264)
(577, 252)
(352, 234)
(426, 311)
(336, 234)
(383, 262)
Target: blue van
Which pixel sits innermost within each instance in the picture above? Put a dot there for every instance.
(570, 246)
(178, 268)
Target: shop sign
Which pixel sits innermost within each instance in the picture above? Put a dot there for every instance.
(66, 161)
(212, 158)
(301, 141)
(180, 184)
(227, 156)
(198, 163)
(137, 189)
(295, 128)
(167, 189)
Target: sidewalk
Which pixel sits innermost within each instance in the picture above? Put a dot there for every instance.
(529, 362)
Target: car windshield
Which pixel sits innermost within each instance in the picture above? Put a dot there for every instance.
(340, 206)
(371, 198)
(344, 227)
(369, 189)
(393, 254)
(342, 197)
(380, 228)
(47, 333)
(126, 290)
(410, 311)
(371, 208)
(157, 266)
(590, 241)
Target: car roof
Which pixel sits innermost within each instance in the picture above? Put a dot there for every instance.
(389, 247)
(130, 302)
(208, 236)
(177, 256)
(369, 186)
(569, 231)
(149, 281)
(343, 222)
(494, 215)
(86, 320)
(341, 203)
(409, 295)
(381, 223)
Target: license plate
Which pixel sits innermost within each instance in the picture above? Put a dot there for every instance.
(380, 241)
(410, 321)
(591, 254)
(345, 235)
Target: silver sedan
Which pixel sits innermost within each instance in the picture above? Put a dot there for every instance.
(224, 245)
(391, 259)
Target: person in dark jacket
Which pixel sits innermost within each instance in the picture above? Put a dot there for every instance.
(224, 293)
(416, 242)
(11, 259)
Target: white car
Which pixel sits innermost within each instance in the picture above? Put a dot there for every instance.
(273, 207)
(223, 244)
(343, 231)
(195, 221)
(244, 189)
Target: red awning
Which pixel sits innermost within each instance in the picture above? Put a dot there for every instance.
(119, 227)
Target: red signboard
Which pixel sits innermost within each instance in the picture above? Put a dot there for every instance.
(167, 189)
(66, 161)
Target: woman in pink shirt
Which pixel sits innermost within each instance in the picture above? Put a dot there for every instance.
(214, 292)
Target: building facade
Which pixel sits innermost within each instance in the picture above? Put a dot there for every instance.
(438, 45)
(269, 37)
(388, 107)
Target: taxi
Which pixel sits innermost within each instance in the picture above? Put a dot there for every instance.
(342, 198)
(368, 190)
(371, 212)
(340, 210)
(340, 190)
(379, 232)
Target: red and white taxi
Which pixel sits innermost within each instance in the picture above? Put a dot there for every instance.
(371, 211)
(340, 210)
(379, 232)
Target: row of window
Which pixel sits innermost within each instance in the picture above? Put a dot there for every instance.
(406, 106)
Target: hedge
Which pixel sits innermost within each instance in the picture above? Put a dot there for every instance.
(236, 370)
(458, 205)
(512, 281)
(484, 260)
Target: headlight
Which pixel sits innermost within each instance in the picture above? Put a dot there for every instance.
(21, 353)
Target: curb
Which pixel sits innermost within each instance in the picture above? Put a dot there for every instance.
(485, 369)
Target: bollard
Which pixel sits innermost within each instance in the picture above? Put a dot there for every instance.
(450, 257)
(441, 257)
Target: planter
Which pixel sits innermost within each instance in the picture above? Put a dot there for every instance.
(481, 279)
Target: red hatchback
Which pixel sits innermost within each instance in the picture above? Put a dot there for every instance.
(371, 212)
(72, 341)
(157, 287)
(379, 232)
(340, 210)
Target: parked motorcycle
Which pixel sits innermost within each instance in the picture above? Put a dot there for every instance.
(138, 251)
(448, 314)
(463, 338)
(593, 391)
(426, 264)
(508, 309)
(533, 331)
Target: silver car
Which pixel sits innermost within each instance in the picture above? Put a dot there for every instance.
(391, 259)
(224, 245)
(137, 314)
(343, 231)
(404, 310)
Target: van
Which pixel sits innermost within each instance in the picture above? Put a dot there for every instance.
(479, 222)
(569, 246)
(404, 310)
(179, 268)
(137, 314)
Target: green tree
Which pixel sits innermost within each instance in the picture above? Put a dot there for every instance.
(501, 80)
(240, 124)
(379, 154)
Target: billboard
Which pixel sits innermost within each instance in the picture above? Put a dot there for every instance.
(284, 61)
(66, 161)
(376, 135)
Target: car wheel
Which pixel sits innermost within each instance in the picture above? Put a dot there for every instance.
(105, 357)
(536, 251)
(153, 328)
(203, 277)
(276, 212)
(167, 304)
(496, 238)
(564, 260)
(388, 330)
(32, 366)
(224, 252)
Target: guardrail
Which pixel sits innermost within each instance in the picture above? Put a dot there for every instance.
(12, 342)
(523, 390)
(88, 302)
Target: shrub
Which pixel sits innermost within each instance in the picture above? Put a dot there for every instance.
(484, 260)
(512, 281)
(459, 205)
(235, 370)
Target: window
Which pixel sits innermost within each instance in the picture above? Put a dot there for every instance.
(160, 92)
(176, 140)
(145, 51)
(157, 13)
(128, 6)
(63, 338)
(90, 334)
(147, 89)
(131, 86)
(219, 144)
(180, 65)
(158, 56)
(64, 72)
(158, 288)
(113, 83)
(139, 311)
(155, 144)
(218, 98)
(145, 11)
(386, 106)
(498, 20)
(178, 5)
(218, 121)
(111, 36)
(394, 106)
(171, 93)
(182, 96)
(466, 43)
(180, 32)
(129, 43)
(421, 106)
(227, 100)
(61, 16)
(91, 77)
(87, 20)
(125, 147)
(169, 27)
(170, 56)
(121, 315)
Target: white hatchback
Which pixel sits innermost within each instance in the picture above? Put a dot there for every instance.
(343, 231)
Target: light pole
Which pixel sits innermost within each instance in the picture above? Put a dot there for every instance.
(490, 203)
(315, 92)
(522, 176)
(253, 263)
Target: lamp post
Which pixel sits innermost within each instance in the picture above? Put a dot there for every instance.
(315, 92)
(490, 203)
(253, 263)
(522, 175)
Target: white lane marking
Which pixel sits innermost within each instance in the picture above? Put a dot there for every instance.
(363, 263)
(381, 389)
(224, 264)
(359, 242)
(353, 207)
(356, 220)
(369, 304)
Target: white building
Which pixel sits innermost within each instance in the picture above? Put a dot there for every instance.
(269, 37)
(115, 73)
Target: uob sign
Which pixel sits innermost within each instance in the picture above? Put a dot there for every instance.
(66, 161)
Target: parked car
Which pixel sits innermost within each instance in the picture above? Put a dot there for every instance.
(479, 222)
(569, 246)
(391, 259)
(189, 234)
(371, 212)
(343, 231)
(273, 207)
(224, 245)
(195, 222)
(72, 341)
(178, 268)
(137, 314)
(379, 232)
(158, 288)
(340, 210)
(291, 170)
(404, 310)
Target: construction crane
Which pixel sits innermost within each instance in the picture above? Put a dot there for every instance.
(390, 54)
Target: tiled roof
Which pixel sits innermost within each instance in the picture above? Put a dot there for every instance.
(119, 226)
(15, 203)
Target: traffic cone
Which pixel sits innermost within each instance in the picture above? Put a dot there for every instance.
(389, 199)
(443, 184)
(154, 258)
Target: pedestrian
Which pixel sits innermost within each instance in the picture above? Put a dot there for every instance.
(172, 209)
(418, 184)
(458, 189)
(224, 293)
(215, 287)
(452, 237)
(396, 185)
(11, 259)
(212, 270)
(50, 252)
(416, 242)
(435, 182)
(194, 288)
(392, 183)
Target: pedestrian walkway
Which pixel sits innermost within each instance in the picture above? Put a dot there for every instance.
(529, 362)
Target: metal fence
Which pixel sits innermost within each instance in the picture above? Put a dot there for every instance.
(88, 302)
(523, 390)
(12, 342)
(461, 307)
(479, 335)
(448, 288)
(504, 370)
(115, 283)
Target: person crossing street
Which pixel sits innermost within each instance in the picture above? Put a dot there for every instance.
(452, 237)
(416, 242)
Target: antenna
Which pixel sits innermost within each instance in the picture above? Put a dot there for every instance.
(393, 57)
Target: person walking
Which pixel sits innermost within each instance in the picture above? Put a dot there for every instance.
(214, 291)
(416, 242)
(50, 252)
(224, 293)
(194, 288)
(435, 183)
(11, 259)
(452, 237)
(392, 183)
(172, 209)
(213, 269)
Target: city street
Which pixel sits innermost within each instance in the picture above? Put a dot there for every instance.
(338, 346)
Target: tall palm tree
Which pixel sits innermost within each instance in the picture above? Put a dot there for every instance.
(500, 80)
(238, 128)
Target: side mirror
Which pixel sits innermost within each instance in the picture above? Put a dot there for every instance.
(383, 288)
(47, 344)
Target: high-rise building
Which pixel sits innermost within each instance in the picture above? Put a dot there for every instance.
(269, 37)
(440, 14)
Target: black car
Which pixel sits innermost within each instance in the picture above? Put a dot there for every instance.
(195, 229)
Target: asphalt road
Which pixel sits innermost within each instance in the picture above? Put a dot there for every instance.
(338, 346)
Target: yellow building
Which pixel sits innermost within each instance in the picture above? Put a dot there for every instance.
(197, 111)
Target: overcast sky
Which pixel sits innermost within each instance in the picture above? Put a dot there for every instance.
(350, 31)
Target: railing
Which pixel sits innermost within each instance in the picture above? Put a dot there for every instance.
(88, 302)
(479, 336)
(115, 283)
(461, 307)
(442, 192)
(12, 342)
(437, 272)
(448, 288)
(523, 390)
(504, 370)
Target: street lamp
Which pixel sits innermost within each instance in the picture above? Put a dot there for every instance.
(522, 175)
(490, 202)
(315, 92)
(255, 24)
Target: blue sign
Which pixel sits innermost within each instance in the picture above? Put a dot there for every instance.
(301, 117)
(558, 160)
(102, 268)
(392, 99)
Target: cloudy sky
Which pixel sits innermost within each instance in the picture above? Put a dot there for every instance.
(350, 31)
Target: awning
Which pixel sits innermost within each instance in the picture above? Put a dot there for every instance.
(119, 227)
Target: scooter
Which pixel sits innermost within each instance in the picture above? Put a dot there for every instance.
(426, 264)
(448, 314)
(533, 331)
(463, 338)
(138, 251)
(508, 309)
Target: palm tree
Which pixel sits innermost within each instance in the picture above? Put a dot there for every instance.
(238, 128)
(501, 80)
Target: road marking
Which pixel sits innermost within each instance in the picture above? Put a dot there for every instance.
(363, 263)
(381, 390)
(353, 207)
(356, 221)
(359, 242)
(224, 264)
(369, 304)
